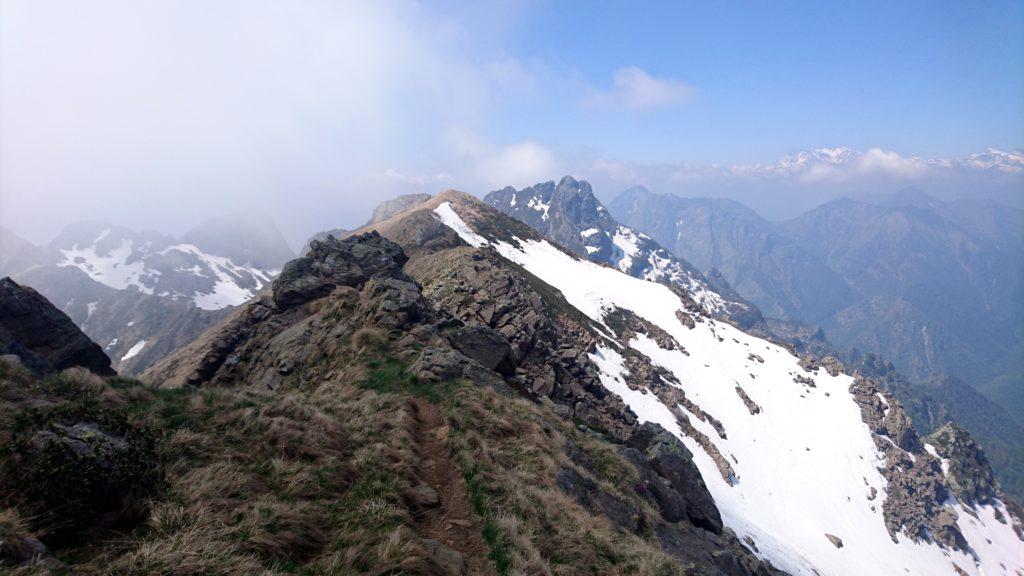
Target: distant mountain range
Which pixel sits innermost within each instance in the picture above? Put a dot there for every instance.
(935, 286)
(142, 295)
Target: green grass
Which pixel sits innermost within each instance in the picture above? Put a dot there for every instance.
(496, 539)
(391, 376)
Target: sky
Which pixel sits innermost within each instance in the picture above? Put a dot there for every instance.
(159, 114)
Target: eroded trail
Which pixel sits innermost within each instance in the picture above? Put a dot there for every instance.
(451, 521)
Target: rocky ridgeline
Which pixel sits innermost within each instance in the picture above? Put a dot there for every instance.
(454, 313)
(42, 337)
(569, 214)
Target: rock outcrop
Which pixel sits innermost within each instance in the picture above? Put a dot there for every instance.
(969, 474)
(917, 487)
(332, 262)
(43, 338)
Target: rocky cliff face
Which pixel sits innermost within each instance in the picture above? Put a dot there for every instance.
(42, 337)
(569, 214)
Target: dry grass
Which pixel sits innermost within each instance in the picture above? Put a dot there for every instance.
(511, 452)
(309, 481)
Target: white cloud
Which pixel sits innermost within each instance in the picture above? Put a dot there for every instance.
(888, 162)
(634, 89)
(160, 114)
(422, 180)
(485, 165)
(520, 164)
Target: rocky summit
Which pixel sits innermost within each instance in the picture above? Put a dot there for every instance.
(569, 214)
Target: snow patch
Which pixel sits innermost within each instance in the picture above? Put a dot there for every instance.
(134, 350)
(539, 206)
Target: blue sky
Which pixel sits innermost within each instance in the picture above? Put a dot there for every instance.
(157, 114)
(771, 78)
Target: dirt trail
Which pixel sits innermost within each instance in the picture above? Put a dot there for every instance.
(454, 522)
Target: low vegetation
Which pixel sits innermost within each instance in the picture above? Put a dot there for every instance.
(244, 480)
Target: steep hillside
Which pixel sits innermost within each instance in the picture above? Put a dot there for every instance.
(935, 287)
(819, 469)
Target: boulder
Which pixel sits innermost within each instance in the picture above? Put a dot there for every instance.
(446, 365)
(484, 345)
(443, 560)
(673, 462)
(41, 336)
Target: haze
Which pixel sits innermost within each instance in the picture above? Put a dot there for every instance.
(159, 114)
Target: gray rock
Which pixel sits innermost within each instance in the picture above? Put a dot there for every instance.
(331, 263)
(835, 540)
(446, 365)
(484, 345)
(41, 336)
(448, 562)
(673, 462)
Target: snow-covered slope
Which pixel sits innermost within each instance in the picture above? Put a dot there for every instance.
(783, 445)
(156, 265)
(122, 287)
(572, 216)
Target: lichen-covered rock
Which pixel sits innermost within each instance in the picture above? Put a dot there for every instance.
(485, 345)
(446, 365)
(549, 347)
(916, 487)
(75, 474)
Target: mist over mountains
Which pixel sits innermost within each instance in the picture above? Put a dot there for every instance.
(144, 294)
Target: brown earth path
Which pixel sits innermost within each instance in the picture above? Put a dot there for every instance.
(454, 522)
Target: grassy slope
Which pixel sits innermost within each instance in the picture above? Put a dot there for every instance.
(311, 481)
